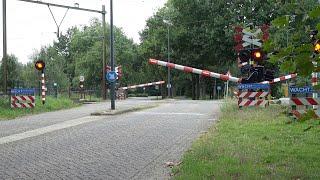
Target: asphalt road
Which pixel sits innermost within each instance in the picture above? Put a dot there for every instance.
(70, 144)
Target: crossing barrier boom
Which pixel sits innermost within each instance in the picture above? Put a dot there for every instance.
(213, 74)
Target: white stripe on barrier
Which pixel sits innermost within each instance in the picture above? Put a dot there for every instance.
(143, 85)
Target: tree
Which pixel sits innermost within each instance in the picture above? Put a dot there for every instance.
(14, 69)
(290, 37)
(201, 35)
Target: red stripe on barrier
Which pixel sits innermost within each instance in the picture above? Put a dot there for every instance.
(14, 105)
(247, 95)
(248, 103)
(15, 98)
(187, 69)
(259, 102)
(153, 61)
(282, 78)
(31, 105)
(239, 101)
(205, 73)
(224, 77)
(296, 113)
(296, 101)
(258, 94)
(23, 105)
(170, 65)
(311, 101)
(23, 98)
(314, 79)
(31, 98)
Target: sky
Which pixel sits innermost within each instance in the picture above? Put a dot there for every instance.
(30, 26)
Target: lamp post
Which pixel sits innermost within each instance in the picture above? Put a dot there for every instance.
(112, 89)
(168, 51)
(4, 57)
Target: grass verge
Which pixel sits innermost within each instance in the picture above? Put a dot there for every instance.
(254, 144)
(52, 104)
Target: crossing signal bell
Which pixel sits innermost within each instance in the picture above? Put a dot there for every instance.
(244, 56)
(40, 65)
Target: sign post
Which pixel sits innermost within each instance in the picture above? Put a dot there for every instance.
(219, 89)
(55, 85)
(81, 85)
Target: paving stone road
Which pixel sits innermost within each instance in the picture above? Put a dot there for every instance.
(70, 144)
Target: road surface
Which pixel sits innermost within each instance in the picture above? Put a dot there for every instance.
(71, 144)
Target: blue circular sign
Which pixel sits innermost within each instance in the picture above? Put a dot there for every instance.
(111, 76)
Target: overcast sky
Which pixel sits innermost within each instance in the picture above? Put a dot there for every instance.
(29, 25)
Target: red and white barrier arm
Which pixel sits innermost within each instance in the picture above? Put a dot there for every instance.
(279, 79)
(215, 75)
(143, 85)
(195, 71)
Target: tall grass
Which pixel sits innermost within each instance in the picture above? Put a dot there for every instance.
(254, 144)
(52, 104)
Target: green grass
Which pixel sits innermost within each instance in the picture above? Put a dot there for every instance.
(52, 104)
(254, 144)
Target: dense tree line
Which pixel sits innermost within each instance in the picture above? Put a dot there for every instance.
(200, 33)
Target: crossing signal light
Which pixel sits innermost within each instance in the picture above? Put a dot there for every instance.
(317, 47)
(256, 54)
(244, 55)
(40, 65)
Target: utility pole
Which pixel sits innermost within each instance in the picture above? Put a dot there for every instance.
(76, 7)
(104, 58)
(5, 56)
(169, 75)
(112, 88)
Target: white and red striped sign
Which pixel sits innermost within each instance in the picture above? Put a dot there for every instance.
(195, 71)
(250, 102)
(247, 94)
(299, 113)
(308, 101)
(143, 85)
(22, 101)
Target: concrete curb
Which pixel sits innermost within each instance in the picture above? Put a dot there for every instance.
(123, 110)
